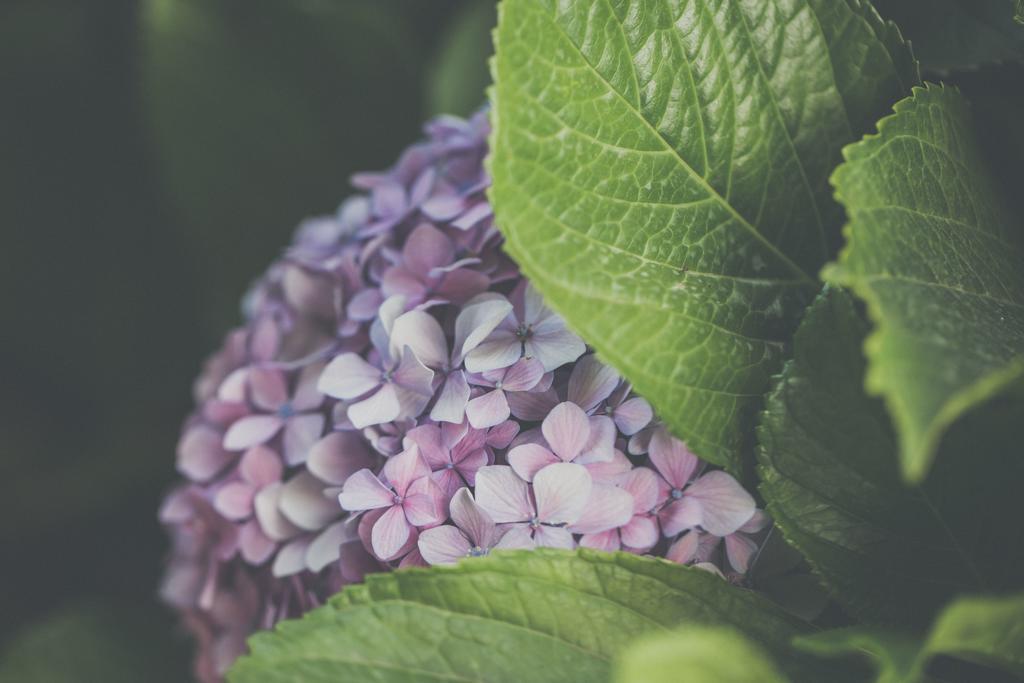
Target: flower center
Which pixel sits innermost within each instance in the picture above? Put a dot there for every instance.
(524, 331)
(534, 523)
(477, 551)
(677, 494)
(449, 466)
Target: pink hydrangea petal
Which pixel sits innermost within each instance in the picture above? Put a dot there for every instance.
(680, 515)
(562, 491)
(356, 562)
(532, 406)
(348, 376)
(608, 507)
(420, 332)
(757, 523)
(444, 207)
(268, 388)
(640, 533)
(523, 375)
(233, 388)
(427, 248)
(388, 199)
(234, 500)
(274, 524)
(591, 382)
(326, 547)
(390, 533)
(553, 537)
(291, 559)
(684, 550)
(607, 541)
(364, 491)
(424, 504)
(252, 430)
(428, 439)
(307, 396)
(300, 433)
(500, 436)
(555, 348)
(726, 506)
(469, 463)
(528, 459)
(502, 494)
(413, 558)
(488, 410)
(448, 480)
(567, 430)
(633, 415)
(403, 469)
(303, 502)
(443, 545)
(515, 537)
(337, 456)
(460, 285)
(383, 406)
(610, 471)
(201, 453)
(473, 215)
(451, 402)
(600, 446)
(642, 484)
(501, 350)
(254, 545)
(529, 303)
(260, 466)
(478, 318)
(401, 281)
(413, 375)
(364, 305)
(672, 458)
(472, 519)
(739, 549)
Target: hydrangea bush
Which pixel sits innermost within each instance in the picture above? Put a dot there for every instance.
(401, 396)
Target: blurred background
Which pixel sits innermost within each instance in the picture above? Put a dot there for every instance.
(155, 155)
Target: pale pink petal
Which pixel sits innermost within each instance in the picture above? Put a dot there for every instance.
(364, 305)
(307, 396)
(469, 463)
(300, 433)
(460, 285)
(554, 349)
(252, 430)
(608, 507)
(424, 504)
(443, 545)
(428, 439)
(255, 547)
(567, 430)
(260, 466)
(591, 382)
(390, 533)
(611, 471)
(684, 550)
(448, 480)
(413, 558)
(530, 304)
(381, 407)
(710, 568)
(234, 500)
(326, 547)
(411, 404)
(739, 549)
(501, 350)
(348, 376)
(515, 537)
(501, 435)
(726, 506)
(472, 216)
(600, 446)
(523, 375)
(472, 519)
(633, 415)
(758, 522)
(641, 533)
(268, 388)
(553, 537)
(275, 525)
(444, 207)
(679, 516)
(233, 387)
(532, 405)
(420, 332)
(642, 484)
(304, 503)
(478, 318)
(403, 469)
(291, 559)
(363, 491)
(562, 491)
(502, 494)
(488, 410)
(201, 453)
(607, 541)
(356, 562)
(451, 402)
(672, 458)
(413, 375)
(337, 456)
(528, 459)
(427, 248)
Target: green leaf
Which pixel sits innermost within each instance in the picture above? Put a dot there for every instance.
(530, 616)
(935, 256)
(891, 554)
(95, 643)
(660, 174)
(705, 655)
(948, 35)
(1019, 14)
(982, 630)
(459, 76)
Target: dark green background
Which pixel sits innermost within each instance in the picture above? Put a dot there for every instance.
(155, 155)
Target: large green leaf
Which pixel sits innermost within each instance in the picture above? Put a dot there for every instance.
(696, 655)
(986, 631)
(937, 259)
(892, 554)
(957, 34)
(660, 173)
(528, 616)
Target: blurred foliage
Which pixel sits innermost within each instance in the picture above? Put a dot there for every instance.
(460, 74)
(155, 155)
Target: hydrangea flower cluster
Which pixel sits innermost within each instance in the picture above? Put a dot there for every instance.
(401, 396)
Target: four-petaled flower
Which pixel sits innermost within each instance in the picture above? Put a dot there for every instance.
(454, 453)
(474, 534)
(571, 437)
(492, 408)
